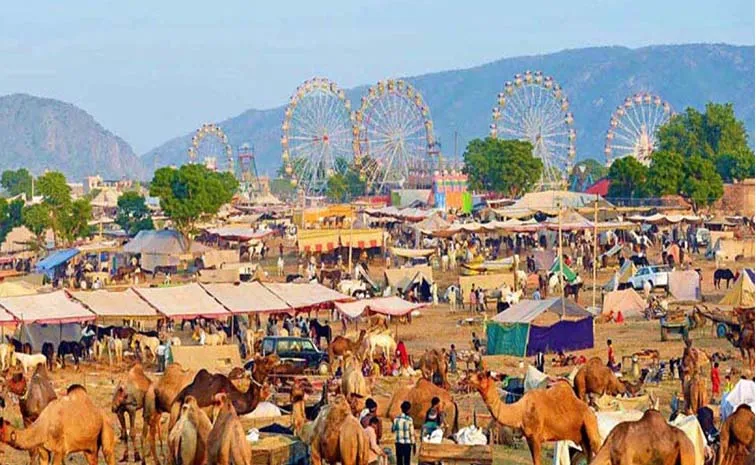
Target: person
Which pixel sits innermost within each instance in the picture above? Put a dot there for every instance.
(280, 250)
(404, 435)
(370, 411)
(433, 417)
(728, 385)
(540, 362)
(375, 454)
(476, 342)
(280, 265)
(481, 298)
(453, 359)
(611, 361)
(161, 357)
(537, 294)
(715, 381)
(473, 299)
(401, 354)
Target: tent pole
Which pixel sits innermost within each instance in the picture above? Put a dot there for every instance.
(595, 251)
(561, 256)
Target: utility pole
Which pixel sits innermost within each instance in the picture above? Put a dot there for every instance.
(595, 250)
(561, 257)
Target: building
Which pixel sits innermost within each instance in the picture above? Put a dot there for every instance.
(96, 182)
(450, 191)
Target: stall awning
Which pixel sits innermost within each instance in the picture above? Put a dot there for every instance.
(238, 233)
(526, 311)
(246, 298)
(51, 308)
(393, 306)
(187, 301)
(115, 304)
(305, 296)
(55, 259)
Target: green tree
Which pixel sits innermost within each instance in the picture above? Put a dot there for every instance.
(56, 195)
(736, 166)
(15, 213)
(628, 178)
(665, 175)
(133, 215)
(702, 185)
(17, 182)
(37, 220)
(593, 168)
(336, 188)
(76, 221)
(190, 193)
(499, 165)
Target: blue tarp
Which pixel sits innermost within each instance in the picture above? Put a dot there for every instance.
(57, 258)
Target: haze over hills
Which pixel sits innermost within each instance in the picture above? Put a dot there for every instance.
(596, 80)
(39, 133)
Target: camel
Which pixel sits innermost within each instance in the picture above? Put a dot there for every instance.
(227, 444)
(433, 362)
(693, 361)
(550, 414)
(34, 397)
(736, 437)
(205, 339)
(128, 398)
(743, 340)
(382, 340)
(353, 384)
(146, 342)
(7, 356)
(336, 436)
(420, 395)
(298, 412)
(695, 393)
(340, 345)
(67, 425)
(646, 441)
(596, 378)
(187, 440)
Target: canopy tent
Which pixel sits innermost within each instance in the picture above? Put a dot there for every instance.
(18, 239)
(106, 198)
(549, 202)
(228, 275)
(57, 258)
(685, 285)
(307, 296)
(246, 298)
(741, 294)
(238, 233)
(393, 306)
(742, 393)
(52, 308)
(623, 275)
(394, 276)
(16, 288)
(325, 240)
(660, 219)
(487, 282)
(411, 253)
(162, 248)
(215, 258)
(544, 259)
(115, 304)
(569, 275)
(570, 220)
(431, 224)
(626, 301)
(729, 249)
(186, 301)
(533, 326)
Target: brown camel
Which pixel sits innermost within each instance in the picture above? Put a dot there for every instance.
(420, 396)
(743, 340)
(336, 436)
(693, 361)
(129, 398)
(187, 440)
(354, 386)
(695, 393)
(649, 440)
(736, 438)
(70, 424)
(550, 414)
(34, 397)
(341, 345)
(227, 444)
(433, 363)
(298, 412)
(596, 378)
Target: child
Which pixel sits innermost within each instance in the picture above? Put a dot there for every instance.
(715, 381)
(728, 385)
(453, 359)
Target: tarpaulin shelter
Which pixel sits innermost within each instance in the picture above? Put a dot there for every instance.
(57, 258)
(626, 301)
(37, 334)
(16, 288)
(411, 253)
(238, 233)
(549, 202)
(326, 240)
(18, 239)
(548, 325)
(626, 271)
(543, 259)
(744, 392)
(162, 248)
(215, 258)
(186, 301)
(431, 224)
(729, 249)
(685, 285)
(394, 276)
(569, 275)
(51, 308)
(741, 294)
(307, 296)
(487, 282)
(393, 306)
(115, 304)
(246, 298)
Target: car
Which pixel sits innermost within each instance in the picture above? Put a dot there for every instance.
(419, 261)
(657, 275)
(297, 350)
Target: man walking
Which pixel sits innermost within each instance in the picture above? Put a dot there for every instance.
(404, 434)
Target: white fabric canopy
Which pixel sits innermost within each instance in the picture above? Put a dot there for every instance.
(246, 297)
(187, 301)
(394, 306)
(528, 310)
(52, 308)
(115, 304)
(743, 393)
(304, 296)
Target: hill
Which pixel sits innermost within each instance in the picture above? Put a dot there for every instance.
(40, 133)
(596, 80)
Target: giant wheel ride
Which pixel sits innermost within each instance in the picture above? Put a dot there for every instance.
(632, 128)
(210, 143)
(317, 130)
(533, 107)
(393, 135)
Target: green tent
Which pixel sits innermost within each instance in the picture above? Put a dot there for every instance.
(507, 339)
(569, 275)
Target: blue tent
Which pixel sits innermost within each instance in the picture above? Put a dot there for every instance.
(48, 264)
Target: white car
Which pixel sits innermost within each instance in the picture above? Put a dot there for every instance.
(657, 275)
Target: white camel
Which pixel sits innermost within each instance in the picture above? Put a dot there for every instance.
(382, 340)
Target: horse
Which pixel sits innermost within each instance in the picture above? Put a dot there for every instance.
(723, 274)
(382, 340)
(217, 339)
(48, 350)
(18, 346)
(318, 331)
(69, 347)
(146, 342)
(333, 275)
(572, 289)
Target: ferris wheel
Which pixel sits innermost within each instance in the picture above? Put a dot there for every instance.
(393, 135)
(210, 142)
(632, 128)
(533, 107)
(317, 130)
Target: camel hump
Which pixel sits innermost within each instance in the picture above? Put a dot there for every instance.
(744, 407)
(75, 388)
(653, 416)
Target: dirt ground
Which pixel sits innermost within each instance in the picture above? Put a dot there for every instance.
(437, 328)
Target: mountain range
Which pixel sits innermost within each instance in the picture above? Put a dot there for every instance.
(45, 133)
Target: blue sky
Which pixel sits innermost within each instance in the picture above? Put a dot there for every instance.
(150, 71)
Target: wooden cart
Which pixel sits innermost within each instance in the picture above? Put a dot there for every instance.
(454, 453)
(279, 449)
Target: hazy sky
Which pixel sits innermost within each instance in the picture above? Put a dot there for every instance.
(153, 70)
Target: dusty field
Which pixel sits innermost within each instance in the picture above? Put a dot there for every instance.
(436, 328)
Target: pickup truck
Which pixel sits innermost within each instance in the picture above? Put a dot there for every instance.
(297, 350)
(657, 275)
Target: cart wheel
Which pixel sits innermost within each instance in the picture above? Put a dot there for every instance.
(721, 330)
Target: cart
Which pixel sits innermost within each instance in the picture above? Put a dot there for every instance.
(455, 453)
(668, 328)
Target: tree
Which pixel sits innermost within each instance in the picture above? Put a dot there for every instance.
(665, 175)
(17, 182)
(498, 165)
(133, 215)
(594, 170)
(37, 219)
(10, 216)
(190, 193)
(736, 166)
(628, 178)
(76, 221)
(336, 188)
(702, 185)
